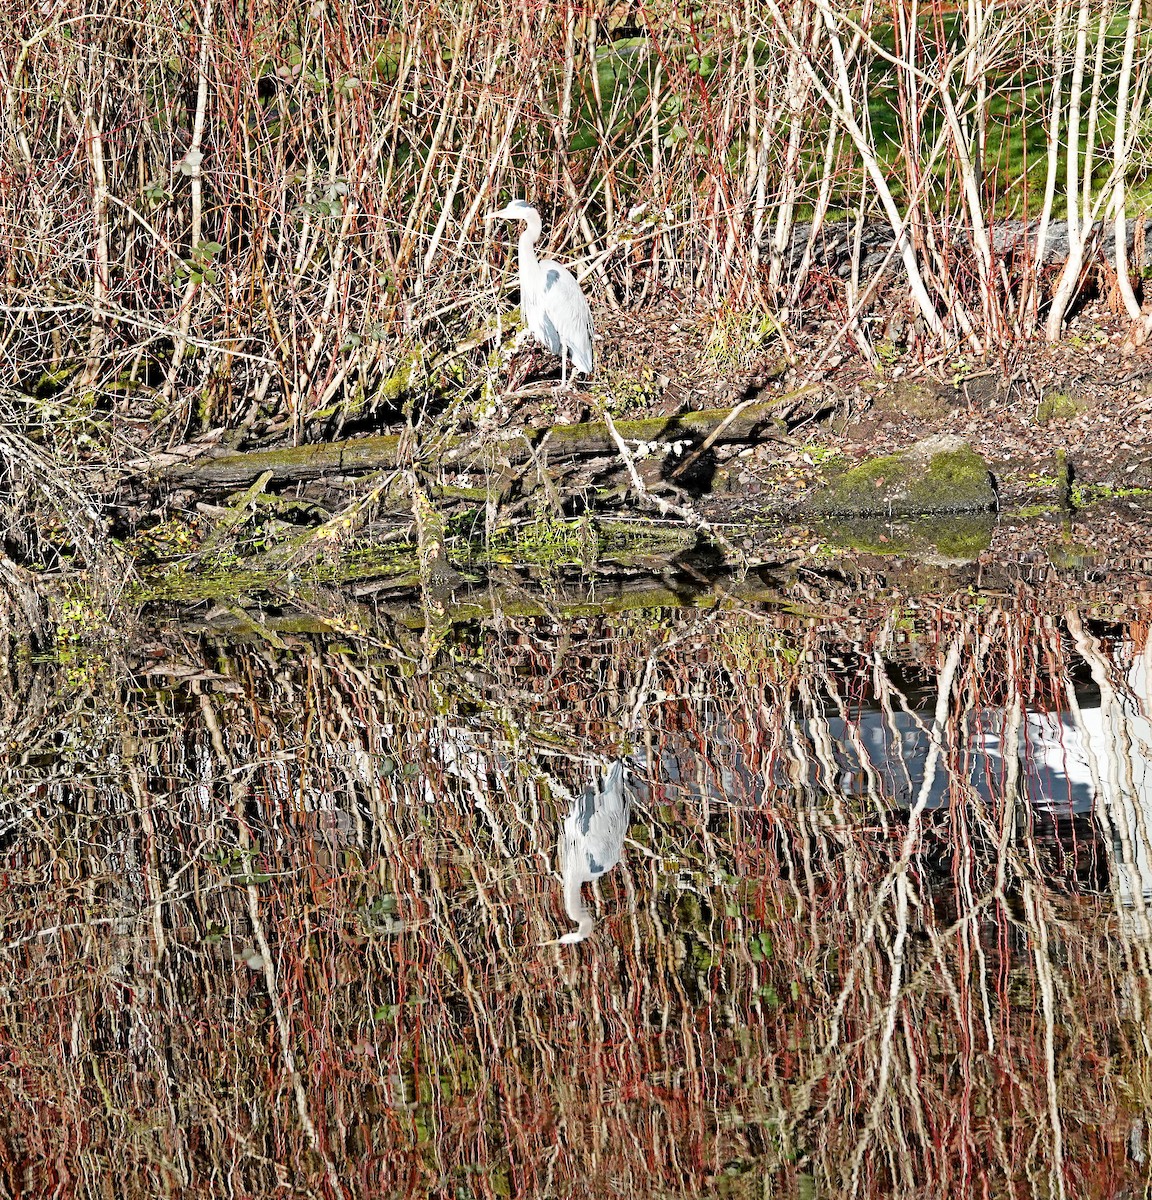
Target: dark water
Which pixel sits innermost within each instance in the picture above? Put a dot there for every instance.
(274, 912)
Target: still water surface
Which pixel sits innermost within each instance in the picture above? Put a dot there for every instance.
(280, 917)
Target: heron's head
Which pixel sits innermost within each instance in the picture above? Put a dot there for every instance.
(516, 210)
(587, 924)
(570, 939)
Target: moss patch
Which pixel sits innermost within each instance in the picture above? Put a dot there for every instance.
(940, 475)
(955, 481)
(954, 539)
(1058, 406)
(1071, 556)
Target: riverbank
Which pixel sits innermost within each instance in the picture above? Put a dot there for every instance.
(1059, 438)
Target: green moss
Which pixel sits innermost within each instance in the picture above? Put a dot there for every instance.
(552, 542)
(825, 456)
(546, 543)
(382, 451)
(952, 479)
(861, 488)
(1085, 493)
(962, 538)
(53, 381)
(400, 381)
(959, 538)
(1071, 556)
(225, 578)
(1058, 406)
(956, 480)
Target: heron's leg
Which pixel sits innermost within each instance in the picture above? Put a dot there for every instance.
(563, 367)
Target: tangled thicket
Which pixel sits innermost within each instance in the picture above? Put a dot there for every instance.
(216, 213)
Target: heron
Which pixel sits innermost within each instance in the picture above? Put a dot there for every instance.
(591, 842)
(553, 306)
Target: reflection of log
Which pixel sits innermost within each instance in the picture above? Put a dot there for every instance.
(510, 596)
(560, 441)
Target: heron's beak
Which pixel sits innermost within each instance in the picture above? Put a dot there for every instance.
(569, 939)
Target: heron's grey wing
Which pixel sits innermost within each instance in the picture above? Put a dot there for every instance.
(599, 821)
(535, 311)
(568, 310)
(547, 332)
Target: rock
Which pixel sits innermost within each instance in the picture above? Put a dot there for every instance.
(837, 241)
(941, 541)
(1059, 406)
(941, 474)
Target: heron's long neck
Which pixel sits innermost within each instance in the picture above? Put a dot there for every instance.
(574, 906)
(528, 242)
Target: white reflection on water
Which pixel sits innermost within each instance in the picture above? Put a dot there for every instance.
(1116, 758)
(1092, 757)
(592, 840)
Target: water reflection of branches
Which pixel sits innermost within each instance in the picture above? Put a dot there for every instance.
(838, 967)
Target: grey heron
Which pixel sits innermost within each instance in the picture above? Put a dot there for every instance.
(553, 306)
(591, 842)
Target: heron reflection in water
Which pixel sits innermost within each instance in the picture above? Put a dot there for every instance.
(591, 842)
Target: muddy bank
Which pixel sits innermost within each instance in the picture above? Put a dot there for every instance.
(960, 473)
(965, 482)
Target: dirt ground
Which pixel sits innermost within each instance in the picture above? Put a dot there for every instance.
(1066, 429)
(1098, 390)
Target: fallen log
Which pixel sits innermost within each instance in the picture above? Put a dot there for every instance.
(387, 452)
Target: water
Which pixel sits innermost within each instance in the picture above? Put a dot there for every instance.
(274, 912)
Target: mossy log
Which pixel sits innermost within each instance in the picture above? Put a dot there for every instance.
(385, 452)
